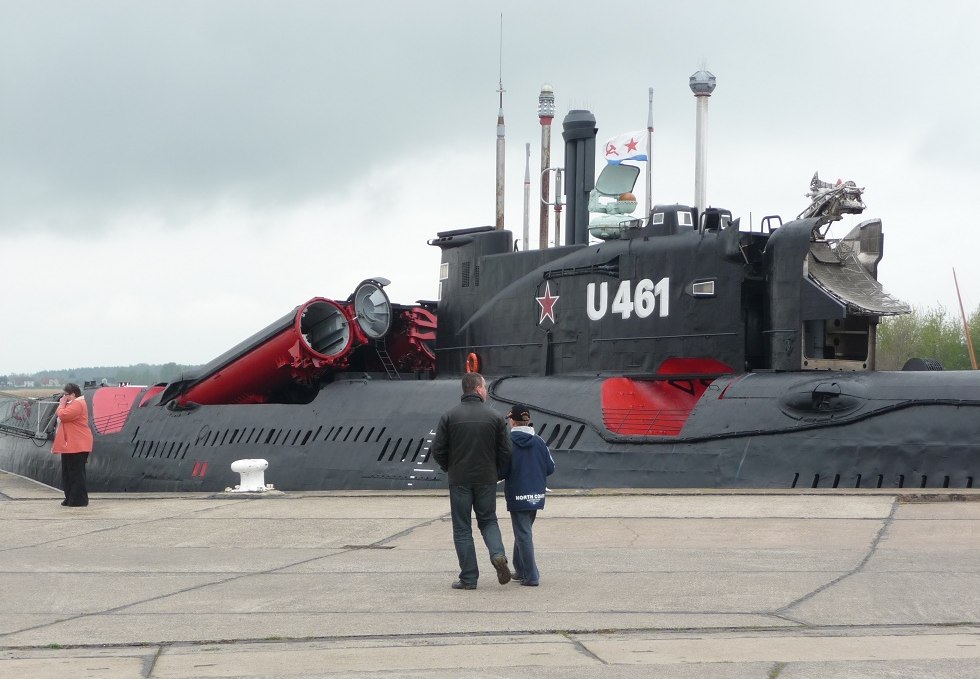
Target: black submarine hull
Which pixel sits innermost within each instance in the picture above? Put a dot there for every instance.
(746, 431)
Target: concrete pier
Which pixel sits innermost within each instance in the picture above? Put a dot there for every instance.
(680, 584)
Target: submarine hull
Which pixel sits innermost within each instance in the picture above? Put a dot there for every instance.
(746, 431)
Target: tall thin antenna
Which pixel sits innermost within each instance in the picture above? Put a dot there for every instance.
(500, 134)
(527, 195)
(649, 186)
(500, 61)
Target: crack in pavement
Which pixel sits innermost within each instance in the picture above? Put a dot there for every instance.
(582, 648)
(632, 531)
(667, 633)
(149, 664)
(873, 547)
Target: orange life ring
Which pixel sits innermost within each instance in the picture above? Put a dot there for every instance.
(472, 363)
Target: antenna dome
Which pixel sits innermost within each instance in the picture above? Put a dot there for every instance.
(702, 83)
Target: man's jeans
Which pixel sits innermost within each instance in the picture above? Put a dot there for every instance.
(523, 555)
(463, 501)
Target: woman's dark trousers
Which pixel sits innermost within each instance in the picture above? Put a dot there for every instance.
(73, 479)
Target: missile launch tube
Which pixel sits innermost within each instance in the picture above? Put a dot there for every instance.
(299, 347)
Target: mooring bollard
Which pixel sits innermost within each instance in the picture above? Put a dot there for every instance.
(253, 476)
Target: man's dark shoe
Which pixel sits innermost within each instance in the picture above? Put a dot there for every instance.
(516, 577)
(528, 583)
(64, 503)
(503, 572)
(459, 584)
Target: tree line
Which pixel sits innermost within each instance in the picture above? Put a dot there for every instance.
(930, 333)
(141, 373)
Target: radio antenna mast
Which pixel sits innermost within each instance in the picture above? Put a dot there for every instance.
(500, 133)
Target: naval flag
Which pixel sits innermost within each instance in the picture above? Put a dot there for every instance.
(627, 146)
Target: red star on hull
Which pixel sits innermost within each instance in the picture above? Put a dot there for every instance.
(547, 303)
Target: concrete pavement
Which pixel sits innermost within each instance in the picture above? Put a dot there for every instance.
(634, 584)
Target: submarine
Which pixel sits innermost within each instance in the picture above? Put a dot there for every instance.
(676, 350)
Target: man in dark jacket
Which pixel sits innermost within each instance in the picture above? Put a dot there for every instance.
(530, 465)
(471, 444)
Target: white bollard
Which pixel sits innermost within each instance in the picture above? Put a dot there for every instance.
(252, 473)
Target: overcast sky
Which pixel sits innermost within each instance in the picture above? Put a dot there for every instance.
(176, 175)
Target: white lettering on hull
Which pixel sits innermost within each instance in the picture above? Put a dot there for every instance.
(646, 298)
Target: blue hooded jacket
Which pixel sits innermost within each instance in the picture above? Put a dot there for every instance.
(530, 465)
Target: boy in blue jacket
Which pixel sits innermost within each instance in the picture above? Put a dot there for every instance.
(530, 465)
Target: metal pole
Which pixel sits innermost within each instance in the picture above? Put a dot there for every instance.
(500, 161)
(500, 135)
(527, 195)
(558, 204)
(966, 326)
(649, 201)
(702, 84)
(701, 156)
(546, 113)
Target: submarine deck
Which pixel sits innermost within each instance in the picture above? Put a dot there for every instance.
(634, 584)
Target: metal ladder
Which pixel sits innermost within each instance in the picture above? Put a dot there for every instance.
(386, 361)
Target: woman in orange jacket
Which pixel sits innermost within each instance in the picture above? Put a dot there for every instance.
(73, 441)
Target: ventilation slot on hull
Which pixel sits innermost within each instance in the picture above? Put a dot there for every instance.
(164, 450)
(878, 481)
(409, 450)
(551, 437)
(394, 450)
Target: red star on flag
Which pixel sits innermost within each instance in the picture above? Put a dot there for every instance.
(547, 304)
(631, 144)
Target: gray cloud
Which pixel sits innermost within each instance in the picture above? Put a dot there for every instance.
(116, 104)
